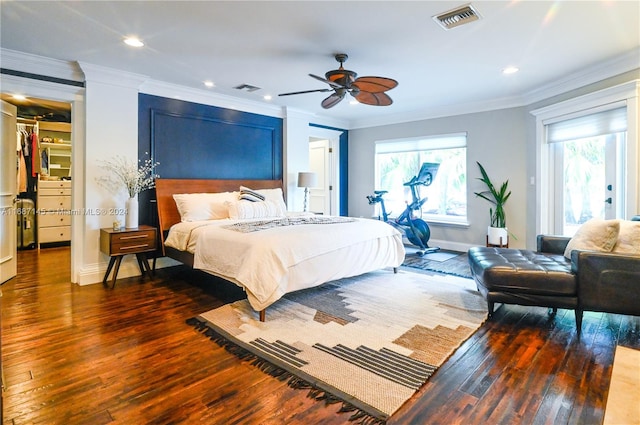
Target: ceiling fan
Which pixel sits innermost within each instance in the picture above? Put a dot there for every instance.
(367, 90)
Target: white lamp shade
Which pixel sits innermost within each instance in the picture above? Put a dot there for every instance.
(307, 179)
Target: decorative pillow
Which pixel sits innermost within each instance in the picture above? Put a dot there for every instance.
(628, 238)
(594, 235)
(248, 209)
(203, 206)
(274, 195)
(250, 195)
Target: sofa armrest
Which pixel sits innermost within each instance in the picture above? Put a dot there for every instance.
(607, 282)
(552, 244)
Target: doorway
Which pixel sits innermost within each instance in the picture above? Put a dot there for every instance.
(588, 180)
(44, 173)
(323, 160)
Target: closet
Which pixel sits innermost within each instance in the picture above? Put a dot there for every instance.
(44, 182)
(28, 167)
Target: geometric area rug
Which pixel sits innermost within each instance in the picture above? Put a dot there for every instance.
(369, 342)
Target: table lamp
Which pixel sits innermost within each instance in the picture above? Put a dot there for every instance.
(307, 179)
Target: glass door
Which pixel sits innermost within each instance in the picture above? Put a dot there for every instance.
(588, 180)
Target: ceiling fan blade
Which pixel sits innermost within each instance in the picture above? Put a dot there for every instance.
(324, 80)
(332, 100)
(374, 84)
(375, 99)
(305, 91)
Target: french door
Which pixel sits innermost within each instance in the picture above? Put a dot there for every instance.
(588, 180)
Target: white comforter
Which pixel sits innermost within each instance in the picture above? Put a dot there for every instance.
(269, 263)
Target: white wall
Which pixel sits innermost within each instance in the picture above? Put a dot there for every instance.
(111, 128)
(497, 139)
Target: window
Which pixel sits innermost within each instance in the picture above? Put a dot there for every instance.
(398, 161)
(588, 176)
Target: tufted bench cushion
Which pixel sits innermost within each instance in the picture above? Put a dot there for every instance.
(514, 276)
(515, 270)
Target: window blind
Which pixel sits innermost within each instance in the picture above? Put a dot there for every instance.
(448, 141)
(592, 125)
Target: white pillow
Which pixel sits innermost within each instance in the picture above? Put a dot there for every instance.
(628, 238)
(594, 235)
(203, 206)
(274, 195)
(254, 209)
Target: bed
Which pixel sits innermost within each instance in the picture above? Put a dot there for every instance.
(268, 254)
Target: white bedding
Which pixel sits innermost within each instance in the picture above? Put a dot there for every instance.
(270, 263)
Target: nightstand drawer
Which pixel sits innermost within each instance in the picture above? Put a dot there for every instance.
(128, 241)
(133, 247)
(133, 237)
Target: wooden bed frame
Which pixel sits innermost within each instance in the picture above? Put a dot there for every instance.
(168, 211)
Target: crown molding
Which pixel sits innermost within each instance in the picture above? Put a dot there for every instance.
(601, 71)
(34, 64)
(116, 77)
(207, 97)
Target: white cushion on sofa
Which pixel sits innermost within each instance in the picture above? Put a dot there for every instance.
(594, 235)
(628, 238)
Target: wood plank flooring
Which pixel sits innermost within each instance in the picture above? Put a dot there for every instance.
(91, 355)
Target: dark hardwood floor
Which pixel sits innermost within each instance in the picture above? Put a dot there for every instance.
(89, 355)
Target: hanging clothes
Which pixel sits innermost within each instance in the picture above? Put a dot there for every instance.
(35, 158)
(22, 166)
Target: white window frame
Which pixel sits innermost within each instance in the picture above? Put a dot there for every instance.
(614, 97)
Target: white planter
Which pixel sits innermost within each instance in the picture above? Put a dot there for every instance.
(131, 220)
(497, 236)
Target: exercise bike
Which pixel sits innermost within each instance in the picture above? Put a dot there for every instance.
(416, 229)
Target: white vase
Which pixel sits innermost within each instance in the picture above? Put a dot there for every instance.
(497, 236)
(131, 220)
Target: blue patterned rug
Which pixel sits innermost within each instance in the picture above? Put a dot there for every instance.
(369, 342)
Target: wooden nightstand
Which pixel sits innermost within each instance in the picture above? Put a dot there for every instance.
(118, 243)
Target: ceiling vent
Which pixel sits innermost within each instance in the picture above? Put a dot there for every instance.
(247, 87)
(458, 16)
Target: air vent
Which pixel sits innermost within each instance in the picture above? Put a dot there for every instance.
(247, 87)
(456, 17)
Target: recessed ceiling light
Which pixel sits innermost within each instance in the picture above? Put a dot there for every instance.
(209, 84)
(510, 70)
(267, 97)
(133, 42)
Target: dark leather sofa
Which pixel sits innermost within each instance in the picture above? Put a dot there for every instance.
(590, 281)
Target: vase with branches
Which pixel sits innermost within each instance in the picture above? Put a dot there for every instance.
(497, 197)
(134, 177)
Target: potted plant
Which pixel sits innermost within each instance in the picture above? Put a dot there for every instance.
(497, 233)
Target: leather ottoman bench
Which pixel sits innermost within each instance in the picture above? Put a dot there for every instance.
(524, 277)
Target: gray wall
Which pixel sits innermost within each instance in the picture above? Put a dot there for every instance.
(497, 139)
